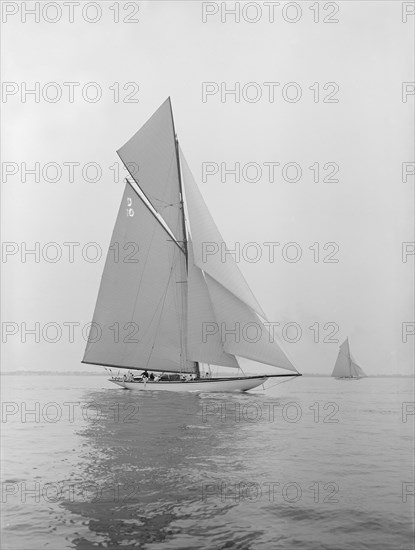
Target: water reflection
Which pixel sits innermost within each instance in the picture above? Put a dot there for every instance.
(152, 460)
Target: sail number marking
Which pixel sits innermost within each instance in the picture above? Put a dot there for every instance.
(130, 210)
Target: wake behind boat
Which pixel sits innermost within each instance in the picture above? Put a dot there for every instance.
(167, 305)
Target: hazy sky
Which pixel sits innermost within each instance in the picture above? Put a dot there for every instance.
(368, 134)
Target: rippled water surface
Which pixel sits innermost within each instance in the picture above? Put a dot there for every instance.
(313, 464)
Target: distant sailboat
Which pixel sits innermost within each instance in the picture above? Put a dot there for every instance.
(176, 307)
(346, 366)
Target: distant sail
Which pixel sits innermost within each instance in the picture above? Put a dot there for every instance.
(356, 369)
(342, 365)
(203, 231)
(345, 366)
(151, 158)
(243, 333)
(140, 306)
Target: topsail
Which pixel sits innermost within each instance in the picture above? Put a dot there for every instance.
(150, 156)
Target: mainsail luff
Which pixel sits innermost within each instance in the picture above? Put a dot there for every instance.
(179, 173)
(185, 245)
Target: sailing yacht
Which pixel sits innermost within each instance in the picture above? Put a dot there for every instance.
(345, 366)
(166, 306)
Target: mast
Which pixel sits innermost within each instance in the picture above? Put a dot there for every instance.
(176, 144)
(186, 253)
(185, 246)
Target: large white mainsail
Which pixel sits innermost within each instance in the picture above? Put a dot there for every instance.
(140, 313)
(346, 366)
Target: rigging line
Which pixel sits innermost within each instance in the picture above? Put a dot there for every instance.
(165, 202)
(139, 288)
(180, 308)
(154, 213)
(161, 312)
(179, 174)
(154, 198)
(276, 384)
(127, 166)
(159, 303)
(142, 277)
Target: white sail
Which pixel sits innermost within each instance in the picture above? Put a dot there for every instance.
(151, 158)
(140, 306)
(158, 293)
(345, 366)
(242, 332)
(203, 341)
(356, 369)
(342, 365)
(205, 234)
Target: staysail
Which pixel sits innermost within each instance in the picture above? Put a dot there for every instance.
(356, 369)
(204, 342)
(242, 331)
(346, 366)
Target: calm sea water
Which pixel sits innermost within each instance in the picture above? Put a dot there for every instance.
(312, 464)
